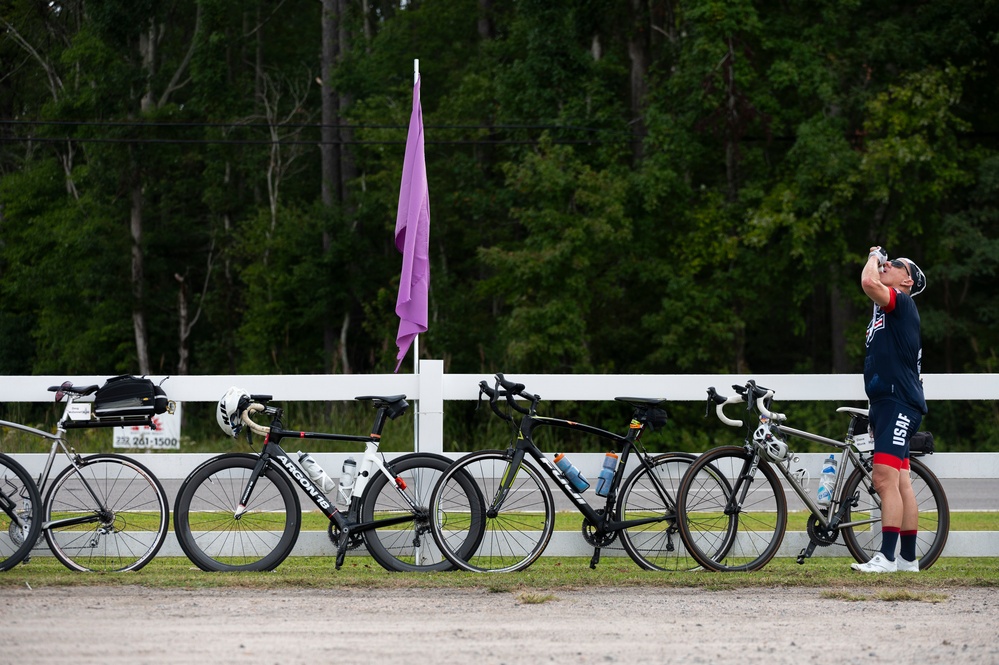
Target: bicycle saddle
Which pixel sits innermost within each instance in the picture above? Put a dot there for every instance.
(68, 387)
(853, 410)
(638, 402)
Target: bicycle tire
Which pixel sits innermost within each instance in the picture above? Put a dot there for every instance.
(934, 516)
(656, 545)
(211, 534)
(18, 496)
(412, 547)
(127, 534)
(745, 539)
(512, 537)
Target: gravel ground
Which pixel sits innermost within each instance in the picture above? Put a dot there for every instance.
(603, 625)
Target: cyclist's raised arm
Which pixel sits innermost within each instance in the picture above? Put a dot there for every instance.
(870, 278)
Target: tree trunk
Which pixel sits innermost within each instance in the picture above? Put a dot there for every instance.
(487, 30)
(839, 318)
(638, 54)
(138, 313)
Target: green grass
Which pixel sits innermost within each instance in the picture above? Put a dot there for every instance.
(546, 575)
(572, 521)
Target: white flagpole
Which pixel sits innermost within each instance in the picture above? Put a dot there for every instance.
(416, 340)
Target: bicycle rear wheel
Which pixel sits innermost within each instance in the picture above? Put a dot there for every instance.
(19, 508)
(864, 541)
(733, 520)
(515, 528)
(106, 514)
(408, 546)
(217, 534)
(651, 494)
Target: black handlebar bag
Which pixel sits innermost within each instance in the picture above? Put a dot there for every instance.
(128, 395)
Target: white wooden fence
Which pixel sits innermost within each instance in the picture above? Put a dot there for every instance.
(429, 389)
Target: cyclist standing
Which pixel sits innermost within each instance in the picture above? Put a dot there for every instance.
(897, 404)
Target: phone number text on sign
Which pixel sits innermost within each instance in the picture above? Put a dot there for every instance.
(166, 436)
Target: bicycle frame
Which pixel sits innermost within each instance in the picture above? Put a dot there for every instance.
(273, 455)
(58, 441)
(856, 460)
(771, 429)
(526, 446)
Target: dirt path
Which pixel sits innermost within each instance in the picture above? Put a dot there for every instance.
(606, 625)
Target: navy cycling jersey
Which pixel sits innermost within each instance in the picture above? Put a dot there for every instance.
(895, 353)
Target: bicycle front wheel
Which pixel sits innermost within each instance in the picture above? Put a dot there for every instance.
(108, 513)
(217, 534)
(864, 540)
(20, 506)
(515, 526)
(399, 537)
(734, 517)
(650, 494)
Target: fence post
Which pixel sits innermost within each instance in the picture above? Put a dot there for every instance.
(430, 407)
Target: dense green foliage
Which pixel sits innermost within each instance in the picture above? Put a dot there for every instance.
(656, 186)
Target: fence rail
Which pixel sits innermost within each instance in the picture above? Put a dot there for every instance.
(432, 387)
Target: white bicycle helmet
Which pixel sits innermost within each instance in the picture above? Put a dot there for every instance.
(230, 411)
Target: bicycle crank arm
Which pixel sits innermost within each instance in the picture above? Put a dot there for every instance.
(806, 553)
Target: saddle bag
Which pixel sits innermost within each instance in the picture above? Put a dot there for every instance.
(921, 443)
(128, 395)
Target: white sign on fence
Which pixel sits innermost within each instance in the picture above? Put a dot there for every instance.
(166, 436)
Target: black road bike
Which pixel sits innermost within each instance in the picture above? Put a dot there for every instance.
(519, 510)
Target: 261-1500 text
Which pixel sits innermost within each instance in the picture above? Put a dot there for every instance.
(146, 441)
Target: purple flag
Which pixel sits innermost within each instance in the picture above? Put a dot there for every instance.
(412, 236)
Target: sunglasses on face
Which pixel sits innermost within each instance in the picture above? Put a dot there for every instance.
(895, 263)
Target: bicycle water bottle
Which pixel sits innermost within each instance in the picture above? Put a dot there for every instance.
(828, 481)
(347, 475)
(571, 473)
(606, 474)
(315, 472)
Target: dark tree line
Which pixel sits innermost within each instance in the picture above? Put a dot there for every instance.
(630, 186)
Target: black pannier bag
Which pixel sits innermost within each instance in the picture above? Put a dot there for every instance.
(128, 395)
(921, 443)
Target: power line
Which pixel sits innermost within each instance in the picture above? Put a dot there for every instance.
(73, 139)
(251, 125)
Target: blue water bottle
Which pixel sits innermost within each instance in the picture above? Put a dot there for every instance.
(606, 474)
(571, 473)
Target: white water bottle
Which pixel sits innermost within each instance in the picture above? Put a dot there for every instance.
(347, 474)
(316, 473)
(827, 483)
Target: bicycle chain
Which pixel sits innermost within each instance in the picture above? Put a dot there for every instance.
(591, 536)
(355, 541)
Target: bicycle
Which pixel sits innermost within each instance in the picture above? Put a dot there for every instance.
(735, 507)
(19, 500)
(519, 511)
(241, 512)
(103, 512)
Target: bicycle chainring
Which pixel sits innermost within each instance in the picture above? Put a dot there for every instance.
(821, 535)
(356, 539)
(591, 536)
